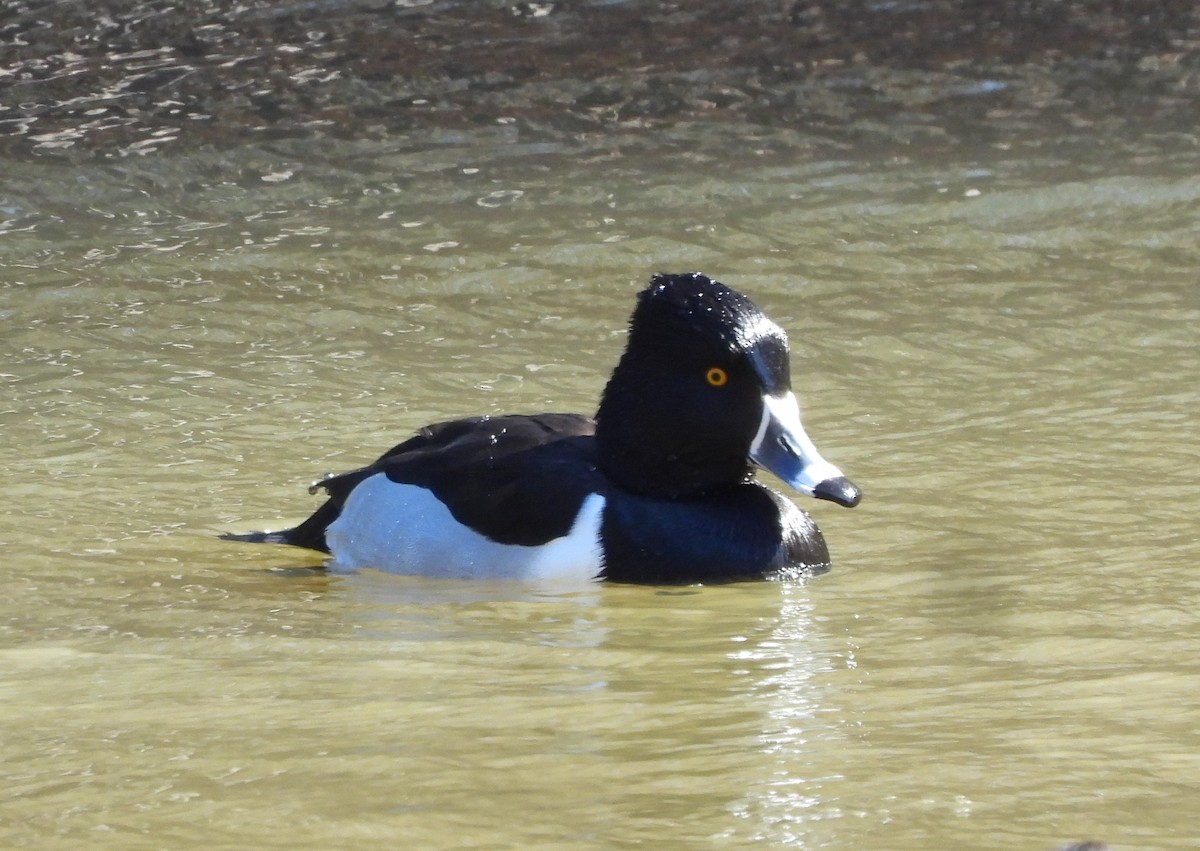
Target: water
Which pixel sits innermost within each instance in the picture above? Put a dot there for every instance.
(999, 347)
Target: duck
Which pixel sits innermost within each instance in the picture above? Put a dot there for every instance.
(659, 487)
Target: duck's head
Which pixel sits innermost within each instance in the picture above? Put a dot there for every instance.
(702, 395)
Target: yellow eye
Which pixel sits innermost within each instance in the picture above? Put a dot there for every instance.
(716, 376)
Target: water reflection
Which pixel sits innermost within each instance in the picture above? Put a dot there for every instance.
(790, 668)
(386, 592)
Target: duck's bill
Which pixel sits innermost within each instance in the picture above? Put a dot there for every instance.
(782, 447)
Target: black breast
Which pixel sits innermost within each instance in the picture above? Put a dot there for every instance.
(742, 532)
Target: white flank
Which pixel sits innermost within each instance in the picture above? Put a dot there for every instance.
(401, 528)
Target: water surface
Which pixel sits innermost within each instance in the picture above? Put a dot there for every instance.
(998, 346)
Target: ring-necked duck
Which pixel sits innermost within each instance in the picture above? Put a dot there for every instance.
(657, 488)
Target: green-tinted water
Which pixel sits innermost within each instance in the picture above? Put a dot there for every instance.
(1000, 349)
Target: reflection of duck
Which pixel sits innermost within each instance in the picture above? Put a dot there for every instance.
(657, 488)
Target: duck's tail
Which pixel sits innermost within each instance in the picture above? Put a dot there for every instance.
(309, 534)
(266, 537)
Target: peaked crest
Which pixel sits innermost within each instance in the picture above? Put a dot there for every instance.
(675, 302)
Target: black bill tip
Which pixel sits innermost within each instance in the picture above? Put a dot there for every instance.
(840, 490)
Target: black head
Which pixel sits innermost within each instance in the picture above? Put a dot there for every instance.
(702, 394)
(685, 401)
